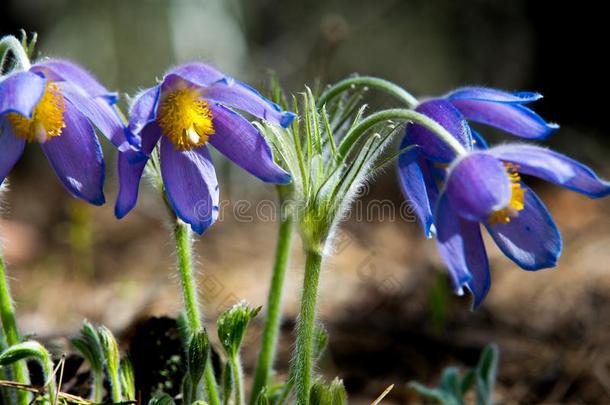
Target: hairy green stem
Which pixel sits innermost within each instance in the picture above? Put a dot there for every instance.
(403, 115)
(7, 394)
(115, 386)
(11, 334)
(182, 235)
(303, 356)
(367, 81)
(238, 378)
(11, 44)
(49, 376)
(271, 328)
(97, 391)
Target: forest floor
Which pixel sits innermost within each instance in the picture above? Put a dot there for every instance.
(384, 296)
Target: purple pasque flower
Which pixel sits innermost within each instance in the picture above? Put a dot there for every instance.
(191, 107)
(485, 187)
(419, 168)
(57, 104)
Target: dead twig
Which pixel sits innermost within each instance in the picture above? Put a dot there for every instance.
(68, 398)
(383, 395)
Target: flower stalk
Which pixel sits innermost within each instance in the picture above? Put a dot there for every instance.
(11, 45)
(183, 240)
(238, 377)
(367, 81)
(398, 114)
(182, 236)
(271, 327)
(11, 333)
(304, 353)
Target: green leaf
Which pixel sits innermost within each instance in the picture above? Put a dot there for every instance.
(128, 382)
(468, 380)
(320, 341)
(88, 344)
(338, 392)
(263, 398)
(161, 399)
(450, 383)
(110, 348)
(22, 351)
(486, 375)
(436, 394)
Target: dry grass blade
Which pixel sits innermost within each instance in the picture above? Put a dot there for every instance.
(383, 395)
(59, 367)
(67, 398)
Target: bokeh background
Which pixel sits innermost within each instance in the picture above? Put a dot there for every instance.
(385, 298)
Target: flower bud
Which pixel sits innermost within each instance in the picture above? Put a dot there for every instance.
(328, 394)
(232, 326)
(197, 356)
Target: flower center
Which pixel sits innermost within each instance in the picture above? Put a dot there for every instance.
(516, 202)
(186, 119)
(47, 120)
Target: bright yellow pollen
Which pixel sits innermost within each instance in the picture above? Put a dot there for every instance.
(47, 120)
(185, 119)
(516, 202)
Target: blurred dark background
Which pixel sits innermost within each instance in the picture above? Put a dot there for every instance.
(393, 318)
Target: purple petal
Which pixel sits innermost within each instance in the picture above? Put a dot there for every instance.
(418, 186)
(553, 167)
(493, 95)
(463, 251)
(144, 109)
(76, 156)
(198, 73)
(478, 185)
(131, 173)
(510, 117)
(190, 184)
(63, 70)
(11, 148)
(172, 82)
(243, 97)
(129, 184)
(451, 119)
(99, 112)
(532, 239)
(20, 93)
(237, 139)
(476, 259)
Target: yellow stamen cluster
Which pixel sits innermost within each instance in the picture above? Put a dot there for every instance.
(516, 202)
(47, 120)
(185, 119)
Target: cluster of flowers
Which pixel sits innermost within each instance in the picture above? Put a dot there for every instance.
(58, 104)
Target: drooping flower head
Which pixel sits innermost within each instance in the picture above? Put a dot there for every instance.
(57, 104)
(418, 168)
(452, 195)
(485, 187)
(191, 107)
